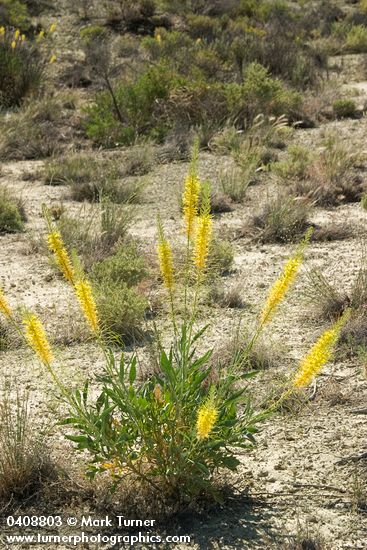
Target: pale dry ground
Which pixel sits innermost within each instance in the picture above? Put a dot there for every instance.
(300, 480)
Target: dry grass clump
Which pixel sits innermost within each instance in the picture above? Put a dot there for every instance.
(91, 179)
(283, 219)
(24, 462)
(138, 160)
(33, 132)
(227, 298)
(12, 213)
(237, 350)
(329, 177)
(330, 301)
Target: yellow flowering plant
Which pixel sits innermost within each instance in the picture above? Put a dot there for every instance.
(176, 428)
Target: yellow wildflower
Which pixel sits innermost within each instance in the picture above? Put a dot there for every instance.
(206, 419)
(280, 288)
(2, 31)
(157, 393)
(158, 38)
(165, 259)
(53, 58)
(4, 306)
(37, 339)
(17, 34)
(202, 240)
(13, 45)
(190, 202)
(23, 37)
(57, 246)
(52, 28)
(320, 353)
(87, 303)
(284, 281)
(41, 35)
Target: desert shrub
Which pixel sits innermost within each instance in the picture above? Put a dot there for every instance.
(136, 109)
(14, 13)
(203, 27)
(21, 68)
(344, 108)
(12, 215)
(24, 462)
(32, 132)
(92, 32)
(265, 95)
(356, 39)
(121, 311)
(283, 219)
(126, 265)
(296, 165)
(120, 304)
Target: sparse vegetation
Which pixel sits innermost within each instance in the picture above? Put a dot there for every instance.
(160, 351)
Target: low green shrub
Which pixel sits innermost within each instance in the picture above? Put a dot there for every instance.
(356, 40)
(125, 266)
(344, 108)
(14, 13)
(121, 309)
(136, 112)
(12, 215)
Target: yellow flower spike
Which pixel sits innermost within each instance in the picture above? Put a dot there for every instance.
(202, 240)
(203, 231)
(53, 58)
(23, 37)
(17, 34)
(206, 419)
(165, 259)
(158, 38)
(41, 35)
(191, 193)
(280, 288)
(320, 354)
(87, 303)
(57, 246)
(284, 282)
(52, 28)
(190, 202)
(2, 31)
(37, 339)
(13, 45)
(4, 306)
